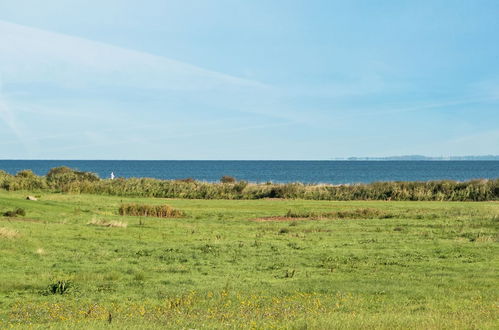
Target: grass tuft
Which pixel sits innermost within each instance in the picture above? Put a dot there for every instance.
(59, 287)
(17, 212)
(144, 210)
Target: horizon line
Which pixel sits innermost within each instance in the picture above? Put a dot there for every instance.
(351, 158)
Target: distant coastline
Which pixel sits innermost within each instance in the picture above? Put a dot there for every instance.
(309, 172)
(423, 158)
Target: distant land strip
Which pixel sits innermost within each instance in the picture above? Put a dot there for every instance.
(421, 157)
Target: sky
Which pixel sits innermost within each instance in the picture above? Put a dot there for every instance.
(225, 79)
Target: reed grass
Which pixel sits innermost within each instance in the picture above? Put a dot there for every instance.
(144, 210)
(67, 180)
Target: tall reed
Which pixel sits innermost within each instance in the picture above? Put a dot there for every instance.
(63, 179)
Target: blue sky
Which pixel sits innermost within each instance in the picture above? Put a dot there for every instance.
(121, 79)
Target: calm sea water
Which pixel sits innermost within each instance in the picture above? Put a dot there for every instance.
(335, 172)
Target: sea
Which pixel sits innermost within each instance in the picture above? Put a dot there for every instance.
(313, 172)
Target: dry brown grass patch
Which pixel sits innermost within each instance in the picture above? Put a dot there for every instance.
(486, 239)
(8, 233)
(104, 223)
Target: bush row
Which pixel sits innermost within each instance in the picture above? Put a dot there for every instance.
(63, 179)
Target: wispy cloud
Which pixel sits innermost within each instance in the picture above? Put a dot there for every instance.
(342, 113)
(439, 105)
(72, 84)
(56, 73)
(29, 54)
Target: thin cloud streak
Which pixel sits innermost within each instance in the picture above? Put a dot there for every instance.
(27, 51)
(436, 105)
(397, 110)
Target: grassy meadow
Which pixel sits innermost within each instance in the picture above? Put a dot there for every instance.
(73, 261)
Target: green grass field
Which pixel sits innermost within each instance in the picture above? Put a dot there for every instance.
(72, 261)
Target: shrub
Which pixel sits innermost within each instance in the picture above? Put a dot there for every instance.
(239, 187)
(21, 212)
(159, 211)
(10, 214)
(68, 180)
(25, 174)
(15, 213)
(283, 231)
(59, 287)
(23, 180)
(227, 179)
(188, 180)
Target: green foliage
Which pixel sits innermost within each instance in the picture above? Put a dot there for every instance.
(59, 287)
(158, 211)
(23, 180)
(283, 231)
(10, 214)
(64, 179)
(239, 187)
(17, 212)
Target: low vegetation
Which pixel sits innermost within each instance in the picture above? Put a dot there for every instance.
(228, 179)
(144, 210)
(362, 213)
(105, 223)
(14, 213)
(63, 179)
(59, 287)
